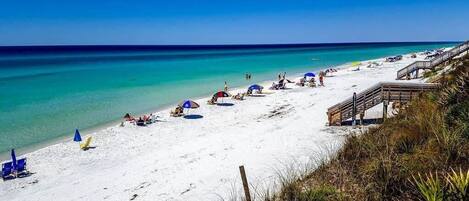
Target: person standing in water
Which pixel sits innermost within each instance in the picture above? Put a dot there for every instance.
(226, 87)
(284, 75)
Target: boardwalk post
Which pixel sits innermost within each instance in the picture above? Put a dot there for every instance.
(362, 113)
(354, 109)
(385, 109)
(245, 183)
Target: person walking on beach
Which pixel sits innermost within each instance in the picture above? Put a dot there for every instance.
(226, 87)
(284, 75)
(279, 76)
(321, 78)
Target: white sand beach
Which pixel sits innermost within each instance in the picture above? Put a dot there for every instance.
(197, 159)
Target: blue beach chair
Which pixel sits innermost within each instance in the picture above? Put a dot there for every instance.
(21, 167)
(7, 170)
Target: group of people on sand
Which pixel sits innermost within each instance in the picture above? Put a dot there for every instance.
(141, 121)
(312, 81)
(179, 111)
(281, 82)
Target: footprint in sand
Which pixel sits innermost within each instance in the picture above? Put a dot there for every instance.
(191, 186)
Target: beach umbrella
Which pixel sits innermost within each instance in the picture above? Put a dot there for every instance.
(310, 74)
(188, 104)
(255, 87)
(221, 94)
(13, 158)
(77, 137)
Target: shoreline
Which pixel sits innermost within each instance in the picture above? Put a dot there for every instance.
(182, 159)
(39, 135)
(98, 128)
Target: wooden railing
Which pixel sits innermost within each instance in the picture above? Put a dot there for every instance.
(406, 71)
(381, 92)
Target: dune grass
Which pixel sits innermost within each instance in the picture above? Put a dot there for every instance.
(409, 157)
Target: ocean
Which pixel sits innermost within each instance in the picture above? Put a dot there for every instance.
(47, 92)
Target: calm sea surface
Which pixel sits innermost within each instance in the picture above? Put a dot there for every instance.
(47, 92)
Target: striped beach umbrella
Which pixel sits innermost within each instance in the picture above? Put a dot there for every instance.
(189, 104)
(255, 87)
(221, 94)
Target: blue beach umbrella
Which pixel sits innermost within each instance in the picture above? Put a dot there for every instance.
(310, 74)
(13, 158)
(77, 137)
(255, 87)
(189, 104)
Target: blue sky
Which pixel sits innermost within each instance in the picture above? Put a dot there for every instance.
(54, 22)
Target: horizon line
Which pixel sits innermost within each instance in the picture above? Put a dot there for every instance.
(219, 45)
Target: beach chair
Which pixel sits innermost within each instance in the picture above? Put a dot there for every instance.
(21, 168)
(149, 121)
(85, 146)
(7, 171)
(140, 123)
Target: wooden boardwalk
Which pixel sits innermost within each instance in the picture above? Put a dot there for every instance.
(416, 66)
(383, 92)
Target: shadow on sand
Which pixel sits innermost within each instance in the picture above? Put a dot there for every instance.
(257, 95)
(225, 104)
(193, 116)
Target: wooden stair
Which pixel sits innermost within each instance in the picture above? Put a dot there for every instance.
(416, 66)
(379, 93)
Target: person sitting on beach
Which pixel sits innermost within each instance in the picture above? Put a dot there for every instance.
(239, 96)
(129, 117)
(282, 84)
(301, 83)
(212, 101)
(149, 119)
(249, 92)
(178, 111)
(274, 86)
(312, 82)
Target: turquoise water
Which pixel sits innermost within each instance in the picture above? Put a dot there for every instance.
(47, 94)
